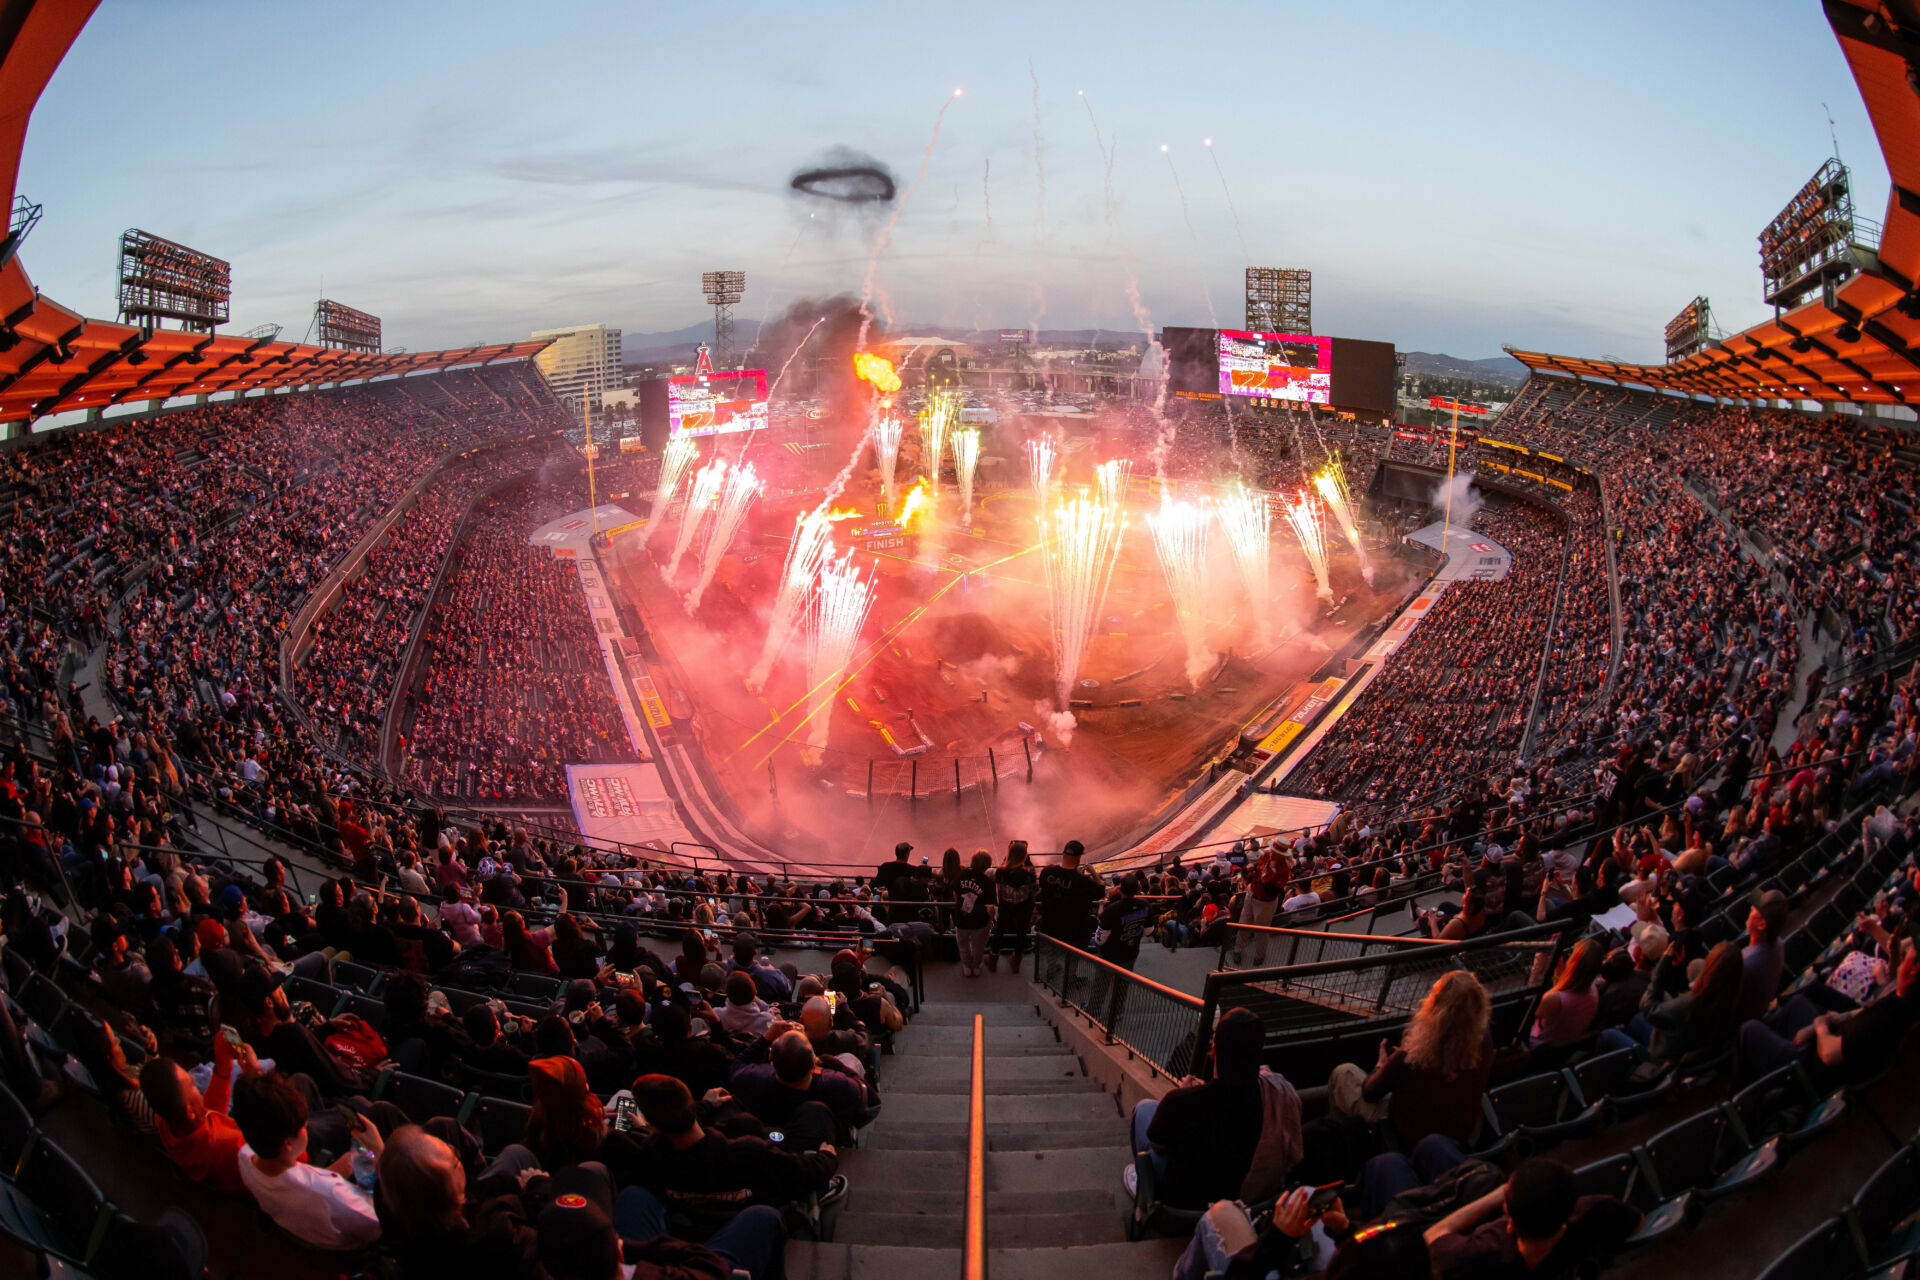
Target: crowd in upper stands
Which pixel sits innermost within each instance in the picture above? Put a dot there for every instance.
(514, 687)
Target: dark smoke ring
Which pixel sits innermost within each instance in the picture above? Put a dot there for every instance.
(853, 184)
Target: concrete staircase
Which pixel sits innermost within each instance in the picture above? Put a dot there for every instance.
(1056, 1143)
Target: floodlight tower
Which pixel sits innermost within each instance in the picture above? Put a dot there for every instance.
(723, 289)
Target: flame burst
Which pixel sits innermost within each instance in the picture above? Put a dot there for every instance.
(680, 451)
(1308, 516)
(886, 452)
(742, 487)
(1180, 538)
(812, 544)
(1247, 520)
(913, 503)
(877, 370)
(701, 496)
(966, 456)
(1079, 542)
(841, 599)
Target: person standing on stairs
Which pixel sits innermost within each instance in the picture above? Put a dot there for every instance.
(1014, 885)
(973, 912)
(1067, 898)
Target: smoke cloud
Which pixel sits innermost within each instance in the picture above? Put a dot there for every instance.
(825, 367)
(845, 180)
(1465, 499)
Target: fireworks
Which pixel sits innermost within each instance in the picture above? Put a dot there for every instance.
(1110, 481)
(1247, 521)
(705, 490)
(1180, 538)
(673, 464)
(841, 598)
(812, 543)
(937, 420)
(1079, 541)
(1333, 488)
(1308, 516)
(886, 451)
(966, 455)
(742, 487)
(1040, 459)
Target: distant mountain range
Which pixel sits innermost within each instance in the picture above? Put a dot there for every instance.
(1501, 369)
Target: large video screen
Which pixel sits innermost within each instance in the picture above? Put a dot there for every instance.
(1277, 366)
(718, 404)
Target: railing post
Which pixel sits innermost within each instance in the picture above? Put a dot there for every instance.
(993, 767)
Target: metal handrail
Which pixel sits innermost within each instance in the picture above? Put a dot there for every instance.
(973, 1249)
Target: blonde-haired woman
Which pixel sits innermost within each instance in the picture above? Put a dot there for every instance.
(1436, 1076)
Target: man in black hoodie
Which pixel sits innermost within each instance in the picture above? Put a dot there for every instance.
(710, 1177)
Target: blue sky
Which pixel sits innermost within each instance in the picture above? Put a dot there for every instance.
(1457, 176)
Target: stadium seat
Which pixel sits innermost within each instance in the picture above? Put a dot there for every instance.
(17, 1133)
(1608, 1079)
(357, 977)
(1784, 1103)
(1538, 1111)
(495, 1084)
(373, 1011)
(1623, 1177)
(318, 994)
(1824, 1253)
(460, 1001)
(53, 1208)
(1704, 1155)
(498, 1122)
(1883, 1203)
(41, 1000)
(534, 986)
(420, 1098)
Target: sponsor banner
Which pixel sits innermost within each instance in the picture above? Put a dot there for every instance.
(624, 803)
(651, 704)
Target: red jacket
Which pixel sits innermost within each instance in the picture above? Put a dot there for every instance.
(210, 1151)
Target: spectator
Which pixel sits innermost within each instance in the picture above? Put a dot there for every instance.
(1202, 1134)
(194, 1130)
(1537, 1223)
(1691, 1026)
(1014, 887)
(1432, 1083)
(566, 1124)
(319, 1207)
(1764, 959)
(974, 910)
(789, 1077)
(1566, 1012)
(1067, 898)
(710, 1177)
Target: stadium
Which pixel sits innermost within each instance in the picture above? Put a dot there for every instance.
(872, 799)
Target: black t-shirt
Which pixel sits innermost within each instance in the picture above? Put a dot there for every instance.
(1208, 1132)
(1869, 1038)
(972, 895)
(1124, 921)
(888, 874)
(1491, 1252)
(1015, 887)
(1066, 902)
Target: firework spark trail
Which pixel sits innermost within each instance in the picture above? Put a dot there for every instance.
(680, 451)
(886, 452)
(1079, 542)
(839, 482)
(1247, 520)
(1308, 516)
(1040, 459)
(1332, 485)
(1039, 205)
(937, 422)
(795, 354)
(700, 499)
(743, 486)
(841, 599)
(1180, 538)
(812, 543)
(1205, 290)
(986, 197)
(1229, 195)
(886, 232)
(1111, 478)
(966, 456)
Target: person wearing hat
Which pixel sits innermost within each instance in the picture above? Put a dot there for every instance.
(1537, 1222)
(288, 1045)
(1067, 897)
(586, 1233)
(1203, 1134)
(1764, 958)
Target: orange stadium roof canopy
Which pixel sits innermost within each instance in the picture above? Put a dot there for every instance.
(54, 360)
(1864, 347)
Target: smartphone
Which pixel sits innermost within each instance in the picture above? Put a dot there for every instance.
(232, 1035)
(626, 1115)
(1323, 1196)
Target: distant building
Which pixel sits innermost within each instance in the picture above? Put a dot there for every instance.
(582, 365)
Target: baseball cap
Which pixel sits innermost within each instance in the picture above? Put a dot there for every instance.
(258, 984)
(902, 849)
(576, 1236)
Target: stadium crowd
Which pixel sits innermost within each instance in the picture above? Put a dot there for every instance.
(514, 686)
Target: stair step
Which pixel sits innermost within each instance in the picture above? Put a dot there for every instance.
(963, 1052)
(1063, 1135)
(1009, 1230)
(917, 1070)
(1016, 1088)
(997, 1036)
(862, 1199)
(1066, 1169)
(927, 1231)
(997, 1015)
